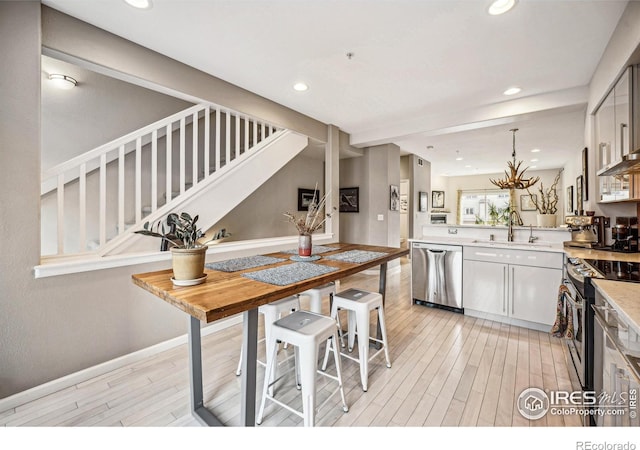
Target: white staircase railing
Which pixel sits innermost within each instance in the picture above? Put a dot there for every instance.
(97, 196)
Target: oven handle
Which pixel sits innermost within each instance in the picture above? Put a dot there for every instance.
(575, 303)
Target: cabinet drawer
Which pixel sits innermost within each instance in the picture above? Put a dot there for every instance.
(511, 256)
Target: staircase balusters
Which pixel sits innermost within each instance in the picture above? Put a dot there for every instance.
(120, 180)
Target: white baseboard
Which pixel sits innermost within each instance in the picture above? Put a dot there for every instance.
(91, 372)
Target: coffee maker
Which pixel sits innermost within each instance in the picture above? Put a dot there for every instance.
(625, 235)
(586, 231)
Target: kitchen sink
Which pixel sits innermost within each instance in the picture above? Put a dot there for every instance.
(511, 244)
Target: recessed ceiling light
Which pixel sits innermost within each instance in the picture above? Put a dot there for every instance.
(532, 167)
(300, 87)
(468, 166)
(501, 6)
(512, 91)
(534, 160)
(140, 4)
(535, 150)
(62, 81)
(459, 158)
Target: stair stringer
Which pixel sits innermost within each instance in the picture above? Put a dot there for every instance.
(218, 195)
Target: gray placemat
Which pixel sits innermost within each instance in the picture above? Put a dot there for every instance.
(290, 273)
(355, 256)
(305, 258)
(247, 262)
(315, 249)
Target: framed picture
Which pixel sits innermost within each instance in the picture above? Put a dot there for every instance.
(422, 201)
(394, 197)
(404, 203)
(350, 199)
(579, 193)
(437, 199)
(305, 196)
(570, 199)
(526, 203)
(585, 174)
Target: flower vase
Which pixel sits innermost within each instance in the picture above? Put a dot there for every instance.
(304, 245)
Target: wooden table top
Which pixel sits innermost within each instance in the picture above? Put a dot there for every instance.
(224, 294)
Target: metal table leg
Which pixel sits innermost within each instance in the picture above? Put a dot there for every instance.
(382, 288)
(248, 392)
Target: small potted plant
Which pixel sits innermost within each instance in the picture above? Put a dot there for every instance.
(182, 238)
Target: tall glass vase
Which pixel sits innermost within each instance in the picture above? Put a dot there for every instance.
(304, 245)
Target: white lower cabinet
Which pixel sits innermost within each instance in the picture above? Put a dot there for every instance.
(512, 284)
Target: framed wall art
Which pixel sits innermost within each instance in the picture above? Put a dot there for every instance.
(585, 174)
(350, 199)
(437, 199)
(526, 202)
(394, 197)
(305, 196)
(579, 193)
(570, 199)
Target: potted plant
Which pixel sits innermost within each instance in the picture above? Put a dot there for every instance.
(182, 238)
(547, 205)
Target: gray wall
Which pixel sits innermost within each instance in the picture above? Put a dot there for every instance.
(80, 119)
(261, 214)
(373, 174)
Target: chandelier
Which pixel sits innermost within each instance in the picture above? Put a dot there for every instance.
(514, 179)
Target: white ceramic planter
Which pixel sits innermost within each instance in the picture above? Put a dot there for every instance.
(546, 220)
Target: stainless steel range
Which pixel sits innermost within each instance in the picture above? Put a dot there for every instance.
(579, 274)
(581, 296)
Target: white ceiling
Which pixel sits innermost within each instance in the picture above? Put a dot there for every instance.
(423, 72)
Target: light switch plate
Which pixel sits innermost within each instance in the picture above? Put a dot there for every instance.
(380, 217)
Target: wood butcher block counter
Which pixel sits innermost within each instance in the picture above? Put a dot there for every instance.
(225, 293)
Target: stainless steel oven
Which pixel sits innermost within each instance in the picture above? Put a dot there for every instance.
(576, 343)
(439, 218)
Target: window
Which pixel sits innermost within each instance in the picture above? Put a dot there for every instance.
(489, 207)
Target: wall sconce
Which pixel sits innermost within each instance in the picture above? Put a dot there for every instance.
(62, 81)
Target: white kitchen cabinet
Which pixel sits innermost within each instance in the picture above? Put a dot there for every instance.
(512, 284)
(484, 286)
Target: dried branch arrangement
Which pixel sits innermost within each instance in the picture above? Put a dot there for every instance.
(315, 217)
(548, 203)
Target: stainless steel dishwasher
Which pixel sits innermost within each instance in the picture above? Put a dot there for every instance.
(436, 275)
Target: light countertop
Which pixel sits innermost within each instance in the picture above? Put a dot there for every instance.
(542, 246)
(623, 296)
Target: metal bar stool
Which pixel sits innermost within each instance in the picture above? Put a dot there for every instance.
(317, 294)
(272, 312)
(306, 331)
(359, 304)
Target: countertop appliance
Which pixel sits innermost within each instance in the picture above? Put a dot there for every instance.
(436, 275)
(625, 235)
(579, 274)
(617, 367)
(586, 231)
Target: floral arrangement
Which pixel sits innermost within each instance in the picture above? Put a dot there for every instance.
(548, 203)
(314, 218)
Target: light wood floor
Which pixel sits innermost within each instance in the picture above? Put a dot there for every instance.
(447, 370)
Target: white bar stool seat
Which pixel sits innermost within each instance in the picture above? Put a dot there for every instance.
(272, 312)
(359, 304)
(306, 331)
(317, 294)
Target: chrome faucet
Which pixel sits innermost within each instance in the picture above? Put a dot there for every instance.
(532, 238)
(511, 217)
